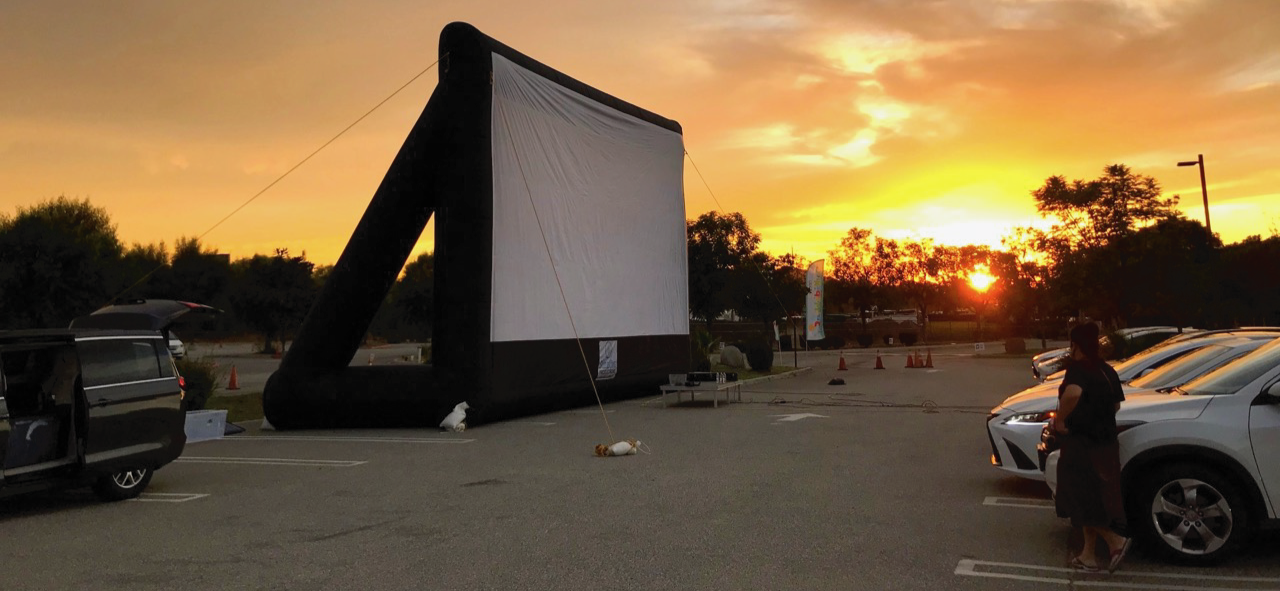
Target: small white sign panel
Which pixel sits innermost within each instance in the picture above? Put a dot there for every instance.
(979, 347)
(608, 360)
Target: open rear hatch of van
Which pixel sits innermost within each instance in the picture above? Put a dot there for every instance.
(144, 315)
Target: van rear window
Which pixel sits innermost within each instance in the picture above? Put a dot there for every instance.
(115, 361)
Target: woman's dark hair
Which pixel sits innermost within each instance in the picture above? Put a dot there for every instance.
(1085, 336)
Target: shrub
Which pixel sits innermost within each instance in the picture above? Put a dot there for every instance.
(887, 338)
(202, 377)
(759, 355)
(865, 340)
(701, 343)
(1015, 345)
(907, 338)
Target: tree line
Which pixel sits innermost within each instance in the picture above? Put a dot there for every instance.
(1113, 249)
(62, 258)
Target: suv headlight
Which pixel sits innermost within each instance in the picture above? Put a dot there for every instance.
(1032, 418)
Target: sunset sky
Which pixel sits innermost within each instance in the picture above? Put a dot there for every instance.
(909, 117)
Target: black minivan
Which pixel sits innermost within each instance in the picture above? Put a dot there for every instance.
(87, 407)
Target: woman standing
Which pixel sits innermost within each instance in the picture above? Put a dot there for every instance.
(1089, 468)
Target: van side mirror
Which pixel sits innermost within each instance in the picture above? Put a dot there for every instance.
(1146, 371)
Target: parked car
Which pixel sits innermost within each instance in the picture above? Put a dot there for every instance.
(176, 346)
(1136, 340)
(1048, 363)
(87, 407)
(1199, 464)
(1014, 426)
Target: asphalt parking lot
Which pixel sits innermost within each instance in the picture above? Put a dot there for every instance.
(882, 483)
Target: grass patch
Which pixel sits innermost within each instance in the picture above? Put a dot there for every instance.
(240, 407)
(746, 374)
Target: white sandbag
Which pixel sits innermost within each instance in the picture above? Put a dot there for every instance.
(456, 420)
(622, 448)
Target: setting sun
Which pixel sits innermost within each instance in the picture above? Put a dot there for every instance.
(980, 279)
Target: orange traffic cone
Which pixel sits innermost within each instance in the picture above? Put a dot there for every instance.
(842, 365)
(911, 364)
(234, 384)
(928, 361)
(879, 363)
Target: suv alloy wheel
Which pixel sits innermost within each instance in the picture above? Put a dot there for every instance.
(1191, 514)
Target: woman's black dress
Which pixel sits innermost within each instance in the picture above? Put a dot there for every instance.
(1089, 467)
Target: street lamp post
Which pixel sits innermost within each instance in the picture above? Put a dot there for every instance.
(1204, 191)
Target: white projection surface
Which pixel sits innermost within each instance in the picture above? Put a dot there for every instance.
(608, 188)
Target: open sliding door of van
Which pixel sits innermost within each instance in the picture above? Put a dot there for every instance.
(38, 419)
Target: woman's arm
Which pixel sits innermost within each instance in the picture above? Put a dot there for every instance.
(1066, 404)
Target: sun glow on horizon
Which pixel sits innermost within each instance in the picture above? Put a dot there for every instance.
(980, 279)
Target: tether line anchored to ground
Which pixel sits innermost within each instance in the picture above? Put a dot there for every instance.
(288, 172)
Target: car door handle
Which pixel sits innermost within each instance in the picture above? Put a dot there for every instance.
(100, 402)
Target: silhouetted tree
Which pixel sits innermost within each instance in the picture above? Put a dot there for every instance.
(850, 269)
(273, 293)
(197, 274)
(1175, 277)
(143, 272)
(414, 294)
(1250, 285)
(57, 259)
(1090, 245)
(719, 250)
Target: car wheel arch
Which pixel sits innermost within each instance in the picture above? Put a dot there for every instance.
(1147, 462)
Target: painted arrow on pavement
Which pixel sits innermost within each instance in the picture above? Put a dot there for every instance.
(797, 416)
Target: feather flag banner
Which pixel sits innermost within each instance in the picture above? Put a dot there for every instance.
(813, 302)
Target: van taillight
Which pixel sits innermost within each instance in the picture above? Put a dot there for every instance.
(182, 382)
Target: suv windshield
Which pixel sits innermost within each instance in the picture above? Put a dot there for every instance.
(1130, 367)
(1230, 379)
(1172, 374)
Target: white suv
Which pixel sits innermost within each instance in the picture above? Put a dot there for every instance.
(1201, 465)
(1014, 426)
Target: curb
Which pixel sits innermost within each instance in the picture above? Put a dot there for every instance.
(791, 374)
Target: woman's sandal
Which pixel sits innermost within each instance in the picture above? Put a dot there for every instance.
(1080, 566)
(1117, 555)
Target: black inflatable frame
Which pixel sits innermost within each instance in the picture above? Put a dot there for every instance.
(444, 168)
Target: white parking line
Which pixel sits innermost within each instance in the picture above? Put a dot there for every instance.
(346, 439)
(147, 497)
(1020, 502)
(969, 568)
(270, 461)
